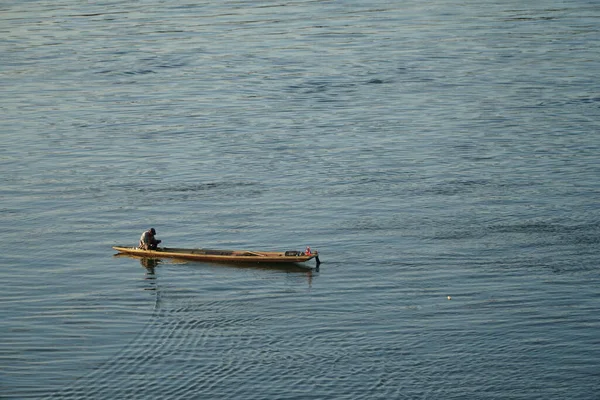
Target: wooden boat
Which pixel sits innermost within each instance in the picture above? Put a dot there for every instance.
(229, 256)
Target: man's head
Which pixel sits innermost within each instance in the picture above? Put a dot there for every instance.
(152, 231)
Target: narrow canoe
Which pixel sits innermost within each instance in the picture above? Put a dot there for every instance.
(221, 255)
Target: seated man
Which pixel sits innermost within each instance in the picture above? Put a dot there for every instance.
(147, 240)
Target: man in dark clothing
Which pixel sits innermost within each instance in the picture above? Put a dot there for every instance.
(147, 240)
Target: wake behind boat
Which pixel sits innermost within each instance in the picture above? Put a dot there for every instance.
(243, 256)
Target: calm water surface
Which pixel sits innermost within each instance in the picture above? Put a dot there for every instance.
(442, 156)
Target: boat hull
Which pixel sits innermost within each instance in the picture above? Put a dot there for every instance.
(229, 256)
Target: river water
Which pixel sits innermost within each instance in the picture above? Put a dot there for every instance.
(442, 156)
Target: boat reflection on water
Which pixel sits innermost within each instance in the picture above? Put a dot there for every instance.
(150, 265)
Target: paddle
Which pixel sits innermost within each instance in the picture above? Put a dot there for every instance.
(256, 254)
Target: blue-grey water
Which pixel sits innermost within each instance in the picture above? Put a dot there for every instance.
(443, 157)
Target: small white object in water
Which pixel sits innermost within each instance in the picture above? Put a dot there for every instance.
(449, 298)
